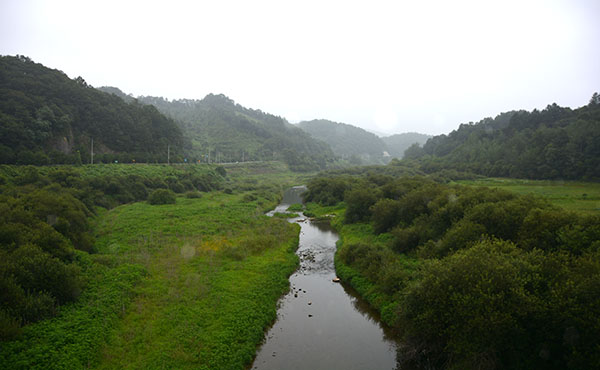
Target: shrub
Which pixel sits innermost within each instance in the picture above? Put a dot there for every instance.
(285, 215)
(498, 306)
(10, 327)
(470, 306)
(359, 202)
(193, 194)
(297, 207)
(221, 171)
(139, 191)
(327, 191)
(384, 215)
(162, 196)
(461, 235)
(405, 239)
(176, 187)
(249, 198)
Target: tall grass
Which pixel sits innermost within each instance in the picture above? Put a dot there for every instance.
(187, 285)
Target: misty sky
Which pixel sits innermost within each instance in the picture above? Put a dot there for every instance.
(387, 66)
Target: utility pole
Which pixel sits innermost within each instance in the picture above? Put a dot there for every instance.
(168, 153)
(92, 153)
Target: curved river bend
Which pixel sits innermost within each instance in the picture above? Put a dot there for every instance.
(321, 324)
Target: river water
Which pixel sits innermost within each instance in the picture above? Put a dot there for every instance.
(322, 324)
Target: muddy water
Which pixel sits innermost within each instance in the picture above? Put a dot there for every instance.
(321, 324)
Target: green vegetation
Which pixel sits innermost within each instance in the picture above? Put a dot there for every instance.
(185, 285)
(176, 266)
(48, 118)
(285, 215)
(45, 213)
(223, 131)
(216, 269)
(162, 196)
(295, 208)
(570, 195)
(397, 144)
(472, 277)
(555, 143)
(347, 141)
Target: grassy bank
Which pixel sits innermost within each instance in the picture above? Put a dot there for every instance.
(185, 285)
(570, 195)
(216, 269)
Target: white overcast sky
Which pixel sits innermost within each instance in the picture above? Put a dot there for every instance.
(387, 66)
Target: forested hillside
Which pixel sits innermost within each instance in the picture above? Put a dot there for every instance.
(555, 143)
(398, 143)
(347, 141)
(48, 118)
(224, 131)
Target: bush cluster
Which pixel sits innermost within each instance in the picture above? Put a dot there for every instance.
(162, 196)
(474, 277)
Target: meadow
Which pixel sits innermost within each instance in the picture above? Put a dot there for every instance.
(570, 195)
(216, 267)
(187, 285)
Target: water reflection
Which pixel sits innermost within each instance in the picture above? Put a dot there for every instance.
(368, 312)
(322, 324)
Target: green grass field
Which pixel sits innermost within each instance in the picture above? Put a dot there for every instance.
(186, 285)
(573, 196)
(213, 281)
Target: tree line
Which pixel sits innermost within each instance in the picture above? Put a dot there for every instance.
(554, 143)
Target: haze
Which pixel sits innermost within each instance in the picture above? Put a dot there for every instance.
(387, 66)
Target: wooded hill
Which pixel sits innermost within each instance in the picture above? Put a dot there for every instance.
(554, 143)
(224, 131)
(398, 143)
(347, 141)
(360, 146)
(48, 118)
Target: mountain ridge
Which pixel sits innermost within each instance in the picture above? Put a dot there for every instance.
(220, 128)
(48, 118)
(554, 143)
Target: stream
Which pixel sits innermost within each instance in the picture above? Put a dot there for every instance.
(322, 324)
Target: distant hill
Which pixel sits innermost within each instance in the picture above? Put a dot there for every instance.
(116, 91)
(398, 143)
(225, 131)
(46, 117)
(347, 141)
(554, 143)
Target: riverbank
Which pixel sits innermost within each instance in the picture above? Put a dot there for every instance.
(471, 277)
(381, 301)
(321, 325)
(187, 285)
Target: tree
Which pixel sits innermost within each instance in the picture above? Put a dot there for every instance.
(358, 203)
(385, 215)
(414, 151)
